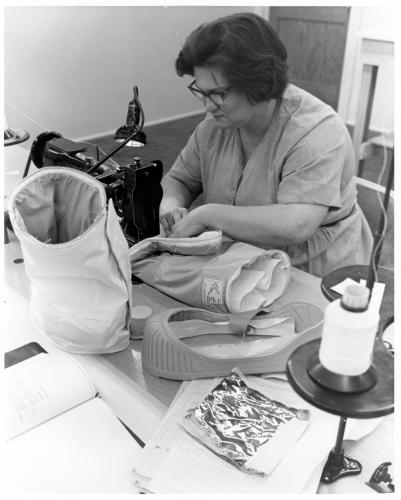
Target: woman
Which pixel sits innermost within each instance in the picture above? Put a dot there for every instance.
(274, 163)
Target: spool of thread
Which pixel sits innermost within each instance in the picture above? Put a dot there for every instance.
(139, 316)
(349, 333)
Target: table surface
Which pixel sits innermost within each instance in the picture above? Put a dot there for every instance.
(140, 399)
(127, 363)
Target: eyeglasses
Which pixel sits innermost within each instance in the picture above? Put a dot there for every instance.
(217, 96)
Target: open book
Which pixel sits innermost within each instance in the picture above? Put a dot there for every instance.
(61, 437)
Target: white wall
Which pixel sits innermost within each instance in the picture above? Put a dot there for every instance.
(377, 23)
(72, 69)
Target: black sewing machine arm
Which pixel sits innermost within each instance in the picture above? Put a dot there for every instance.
(135, 188)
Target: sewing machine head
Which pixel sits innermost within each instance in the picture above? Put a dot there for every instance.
(134, 188)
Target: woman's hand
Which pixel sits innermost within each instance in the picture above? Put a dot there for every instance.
(190, 224)
(169, 218)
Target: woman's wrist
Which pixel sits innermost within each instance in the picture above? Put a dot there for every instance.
(205, 215)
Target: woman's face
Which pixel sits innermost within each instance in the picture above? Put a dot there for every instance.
(232, 109)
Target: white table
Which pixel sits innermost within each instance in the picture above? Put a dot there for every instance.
(139, 399)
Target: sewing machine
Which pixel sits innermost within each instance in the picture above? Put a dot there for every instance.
(134, 188)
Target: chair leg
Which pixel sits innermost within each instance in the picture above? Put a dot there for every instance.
(7, 226)
(361, 165)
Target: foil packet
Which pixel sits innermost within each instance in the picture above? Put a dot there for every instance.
(244, 426)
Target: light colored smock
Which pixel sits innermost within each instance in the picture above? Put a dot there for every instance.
(306, 156)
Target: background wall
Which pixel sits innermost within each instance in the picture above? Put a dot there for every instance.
(378, 23)
(72, 69)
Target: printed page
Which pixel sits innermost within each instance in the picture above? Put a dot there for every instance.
(85, 450)
(42, 387)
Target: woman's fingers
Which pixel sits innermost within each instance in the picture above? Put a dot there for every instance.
(169, 219)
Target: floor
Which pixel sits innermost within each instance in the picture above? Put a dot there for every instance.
(165, 141)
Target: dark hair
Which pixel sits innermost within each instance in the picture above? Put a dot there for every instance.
(245, 48)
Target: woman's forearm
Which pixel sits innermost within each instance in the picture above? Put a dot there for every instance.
(264, 225)
(175, 194)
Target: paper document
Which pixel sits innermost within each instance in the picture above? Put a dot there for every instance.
(173, 462)
(85, 450)
(377, 295)
(40, 388)
(62, 438)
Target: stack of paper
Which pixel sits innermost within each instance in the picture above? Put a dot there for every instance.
(174, 462)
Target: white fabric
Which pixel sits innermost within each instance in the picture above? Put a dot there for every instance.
(206, 243)
(76, 258)
(235, 278)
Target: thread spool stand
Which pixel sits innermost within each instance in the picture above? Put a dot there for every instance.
(371, 396)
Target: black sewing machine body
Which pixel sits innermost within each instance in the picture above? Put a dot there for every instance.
(135, 188)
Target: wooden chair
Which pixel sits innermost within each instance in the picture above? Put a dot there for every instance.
(370, 198)
(371, 194)
(365, 145)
